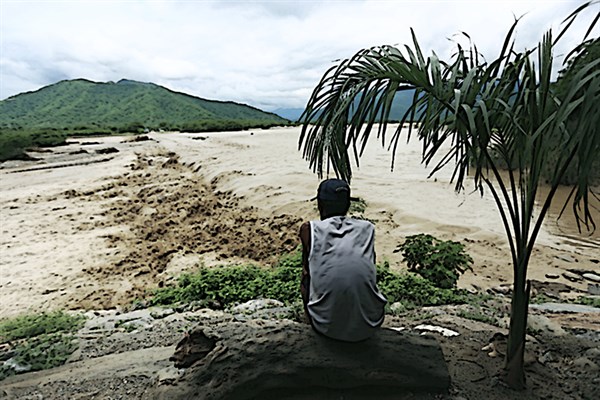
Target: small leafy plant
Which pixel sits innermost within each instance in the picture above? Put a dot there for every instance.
(441, 262)
(414, 291)
(357, 206)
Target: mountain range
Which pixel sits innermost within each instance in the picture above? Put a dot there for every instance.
(81, 104)
(400, 104)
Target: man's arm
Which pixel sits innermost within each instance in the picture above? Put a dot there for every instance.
(305, 281)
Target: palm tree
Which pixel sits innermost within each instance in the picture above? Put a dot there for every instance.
(497, 115)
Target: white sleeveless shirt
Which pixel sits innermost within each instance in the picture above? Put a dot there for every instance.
(344, 302)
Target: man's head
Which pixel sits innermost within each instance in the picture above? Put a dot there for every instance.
(333, 198)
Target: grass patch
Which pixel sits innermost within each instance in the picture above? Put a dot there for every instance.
(588, 301)
(31, 325)
(477, 315)
(39, 341)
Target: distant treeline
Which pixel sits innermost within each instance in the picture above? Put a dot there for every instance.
(15, 142)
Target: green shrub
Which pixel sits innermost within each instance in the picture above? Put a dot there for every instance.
(40, 341)
(292, 259)
(224, 286)
(45, 351)
(357, 206)
(415, 291)
(441, 262)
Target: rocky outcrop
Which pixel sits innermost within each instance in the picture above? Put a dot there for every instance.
(284, 359)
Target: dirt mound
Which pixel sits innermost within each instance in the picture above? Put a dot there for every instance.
(164, 209)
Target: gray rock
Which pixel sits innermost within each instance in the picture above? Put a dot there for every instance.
(586, 363)
(567, 258)
(18, 368)
(594, 289)
(502, 289)
(98, 322)
(544, 324)
(547, 357)
(434, 311)
(168, 375)
(136, 324)
(161, 313)
(571, 276)
(260, 358)
(397, 308)
(260, 309)
(592, 277)
(437, 329)
(564, 308)
(255, 305)
(593, 354)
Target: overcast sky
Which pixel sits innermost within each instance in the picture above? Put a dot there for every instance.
(268, 54)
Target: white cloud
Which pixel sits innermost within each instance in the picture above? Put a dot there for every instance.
(265, 53)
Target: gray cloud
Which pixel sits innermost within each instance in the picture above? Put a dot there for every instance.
(268, 54)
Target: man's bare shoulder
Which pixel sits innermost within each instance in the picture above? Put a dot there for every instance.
(305, 227)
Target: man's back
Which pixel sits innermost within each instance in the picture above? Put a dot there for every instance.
(344, 302)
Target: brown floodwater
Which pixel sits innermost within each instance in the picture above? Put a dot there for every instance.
(410, 188)
(418, 203)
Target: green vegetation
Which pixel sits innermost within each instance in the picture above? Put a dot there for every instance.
(28, 326)
(588, 301)
(415, 291)
(583, 56)
(39, 341)
(84, 108)
(127, 105)
(477, 315)
(225, 286)
(357, 206)
(13, 142)
(438, 261)
(481, 116)
(220, 287)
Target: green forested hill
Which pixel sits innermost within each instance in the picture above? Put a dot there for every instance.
(87, 106)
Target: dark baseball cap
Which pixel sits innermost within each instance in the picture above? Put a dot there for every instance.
(333, 190)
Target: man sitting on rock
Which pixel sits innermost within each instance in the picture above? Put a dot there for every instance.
(338, 287)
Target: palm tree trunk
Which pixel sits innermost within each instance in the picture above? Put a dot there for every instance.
(514, 368)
